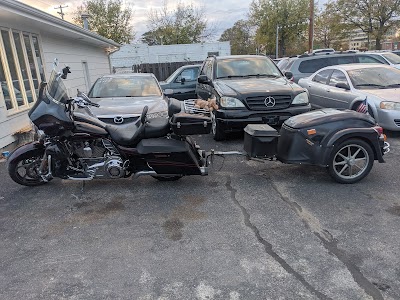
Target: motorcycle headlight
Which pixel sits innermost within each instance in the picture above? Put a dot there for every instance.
(230, 102)
(301, 99)
(390, 105)
(160, 114)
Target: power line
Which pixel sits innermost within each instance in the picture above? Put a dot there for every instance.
(61, 13)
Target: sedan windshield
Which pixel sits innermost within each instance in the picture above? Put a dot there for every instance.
(244, 67)
(134, 86)
(377, 77)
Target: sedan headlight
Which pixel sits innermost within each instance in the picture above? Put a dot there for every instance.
(230, 102)
(390, 105)
(301, 99)
(160, 114)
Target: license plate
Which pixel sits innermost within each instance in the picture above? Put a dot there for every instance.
(271, 120)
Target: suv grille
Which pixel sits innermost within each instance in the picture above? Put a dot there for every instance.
(258, 103)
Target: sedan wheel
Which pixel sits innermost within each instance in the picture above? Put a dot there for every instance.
(351, 161)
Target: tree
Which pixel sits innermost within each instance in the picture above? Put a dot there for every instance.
(329, 27)
(289, 16)
(373, 17)
(240, 37)
(108, 18)
(184, 25)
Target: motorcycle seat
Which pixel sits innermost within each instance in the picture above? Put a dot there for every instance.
(157, 127)
(130, 134)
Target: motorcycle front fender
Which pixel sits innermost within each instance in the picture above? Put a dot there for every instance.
(26, 150)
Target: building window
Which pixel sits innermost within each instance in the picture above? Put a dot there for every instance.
(21, 66)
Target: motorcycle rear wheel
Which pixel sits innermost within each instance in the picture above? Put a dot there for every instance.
(25, 170)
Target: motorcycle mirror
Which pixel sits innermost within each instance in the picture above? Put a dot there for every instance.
(65, 72)
(144, 113)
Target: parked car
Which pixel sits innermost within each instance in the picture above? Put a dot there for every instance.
(122, 97)
(323, 51)
(182, 82)
(387, 57)
(248, 89)
(346, 86)
(305, 65)
(397, 52)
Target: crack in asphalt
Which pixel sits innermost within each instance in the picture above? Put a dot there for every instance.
(268, 247)
(330, 244)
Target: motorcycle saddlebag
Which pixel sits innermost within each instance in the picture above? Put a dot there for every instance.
(187, 124)
(260, 140)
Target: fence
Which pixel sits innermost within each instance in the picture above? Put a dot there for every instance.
(160, 70)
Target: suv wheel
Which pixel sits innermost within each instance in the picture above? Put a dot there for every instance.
(216, 130)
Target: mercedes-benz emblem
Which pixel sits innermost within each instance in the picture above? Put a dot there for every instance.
(269, 101)
(118, 120)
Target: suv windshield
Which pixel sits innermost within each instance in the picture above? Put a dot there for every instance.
(392, 58)
(246, 66)
(133, 86)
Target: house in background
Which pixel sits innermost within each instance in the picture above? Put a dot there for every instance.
(30, 40)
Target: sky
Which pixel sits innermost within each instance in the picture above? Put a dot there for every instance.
(221, 13)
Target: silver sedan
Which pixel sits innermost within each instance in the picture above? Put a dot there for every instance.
(347, 86)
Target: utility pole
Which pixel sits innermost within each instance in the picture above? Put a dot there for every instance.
(61, 10)
(311, 28)
(277, 41)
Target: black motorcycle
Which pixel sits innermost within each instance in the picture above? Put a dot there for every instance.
(78, 146)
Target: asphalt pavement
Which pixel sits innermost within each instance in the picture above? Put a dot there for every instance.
(248, 230)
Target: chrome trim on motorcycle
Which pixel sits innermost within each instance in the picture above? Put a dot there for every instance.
(386, 148)
(47, 177)
(144, 173)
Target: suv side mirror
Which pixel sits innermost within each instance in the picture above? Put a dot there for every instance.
(183, 80)
(289, 75)
(342, 85)
(203, 79)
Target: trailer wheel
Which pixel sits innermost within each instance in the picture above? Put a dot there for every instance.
(351, 161)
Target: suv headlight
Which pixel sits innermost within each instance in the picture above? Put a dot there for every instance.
(160, 114)
(301, 99)
(390, 105)
(230, 102)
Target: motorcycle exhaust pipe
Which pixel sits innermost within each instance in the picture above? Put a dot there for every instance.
(144, 173)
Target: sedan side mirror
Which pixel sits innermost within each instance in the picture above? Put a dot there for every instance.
(289, 75)
(343, 85)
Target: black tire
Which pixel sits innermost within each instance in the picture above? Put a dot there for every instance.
(24, 170)
(351, 161)
(217, 132)
(168, 178)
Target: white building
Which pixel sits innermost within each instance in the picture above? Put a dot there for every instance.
(30, 39)
(135, 54)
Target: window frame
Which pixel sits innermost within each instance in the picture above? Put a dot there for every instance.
(7, 74)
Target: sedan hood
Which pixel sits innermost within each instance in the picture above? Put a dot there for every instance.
(127, 105)
(384, 94)
(246, 86)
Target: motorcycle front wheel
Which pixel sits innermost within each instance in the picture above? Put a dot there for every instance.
(24, 170)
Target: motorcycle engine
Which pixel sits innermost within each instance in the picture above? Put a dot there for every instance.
(100, 158)
(114, 167)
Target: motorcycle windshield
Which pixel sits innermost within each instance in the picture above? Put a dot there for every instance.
(56, 88)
